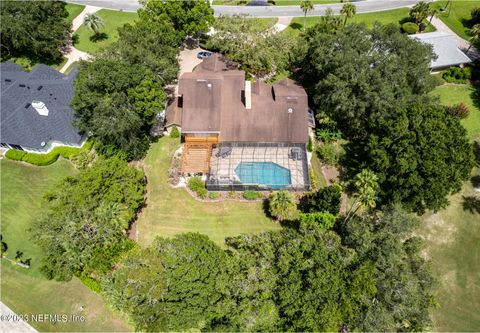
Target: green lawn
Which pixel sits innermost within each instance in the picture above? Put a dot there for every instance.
(112, 20)
(73, 11)
(451, 94)
(26, 291)
(172, 211)
(458, 15)
(317, 170)
(384, 17)
(453, 244)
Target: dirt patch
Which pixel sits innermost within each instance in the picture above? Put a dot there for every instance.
(438, 231)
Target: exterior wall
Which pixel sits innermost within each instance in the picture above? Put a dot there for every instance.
(50, 145)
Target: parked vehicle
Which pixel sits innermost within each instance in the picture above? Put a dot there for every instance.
(204, 54)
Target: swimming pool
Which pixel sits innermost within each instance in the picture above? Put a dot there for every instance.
(265, 173)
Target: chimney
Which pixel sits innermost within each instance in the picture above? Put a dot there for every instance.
(40, 108)
(248, 95)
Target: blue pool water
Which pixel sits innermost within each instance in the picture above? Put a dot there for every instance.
(265, 173)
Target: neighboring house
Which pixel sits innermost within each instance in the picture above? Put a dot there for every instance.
(445, 47)
(35, 109)
(241, 134)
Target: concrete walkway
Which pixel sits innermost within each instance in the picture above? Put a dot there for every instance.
(11, 322)
(76, 55)
(462, 44)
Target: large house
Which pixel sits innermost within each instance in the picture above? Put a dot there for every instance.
(241, 134)
(444, 46)
(35, 109)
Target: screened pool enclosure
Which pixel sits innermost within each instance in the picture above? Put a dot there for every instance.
(258, 166)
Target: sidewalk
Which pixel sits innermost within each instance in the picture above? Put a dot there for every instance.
(462, 44)
(74, 54)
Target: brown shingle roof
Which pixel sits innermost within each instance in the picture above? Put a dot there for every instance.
(213, 101)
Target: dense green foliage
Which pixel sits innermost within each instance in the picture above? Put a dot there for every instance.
(189, 18)
(457, 75)
(84, 227)
(153, 45)
(282, 205)
(373, 85)
(197, 185)
(35, 29)
(326, 199)
(410, 28)
(251, 195)
(324, 219)
(117, 103)
(404, 282)
(44, 159)
(174, 285)
(175, 133)
(258, 48)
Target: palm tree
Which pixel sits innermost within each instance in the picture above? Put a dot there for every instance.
(366, 184)
(475, 33)
(349, 10)
(93, 22)
(282, 205)
(306, 6)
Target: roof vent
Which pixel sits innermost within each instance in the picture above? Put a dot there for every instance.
(290, 110)
(40, 108)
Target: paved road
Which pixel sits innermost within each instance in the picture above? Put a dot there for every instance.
(263, 11)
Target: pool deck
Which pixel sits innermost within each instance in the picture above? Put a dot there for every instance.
(224, 167)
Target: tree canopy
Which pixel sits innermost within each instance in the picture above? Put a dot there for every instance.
(174, 285)
(247, 41)
(152, 45)
(36, 29)
(84, 227)
(373, 84)
(117, 102)
(189, 18)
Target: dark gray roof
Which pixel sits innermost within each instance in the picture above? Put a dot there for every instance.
(20, 122)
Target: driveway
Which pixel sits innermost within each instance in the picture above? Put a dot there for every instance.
(364, 6)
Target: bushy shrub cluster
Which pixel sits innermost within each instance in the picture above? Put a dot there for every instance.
(91, 284)
(251, 195)
(175, 133)
(46, 159)
(410, 28)
(213, 195)
(475, 13)
(459, 110)
(310, 145)
(330, 153)
(197, 185)
(457, 75)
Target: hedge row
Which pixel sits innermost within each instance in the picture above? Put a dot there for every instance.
(45, 159)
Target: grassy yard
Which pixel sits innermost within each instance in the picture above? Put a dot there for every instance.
(458, 16)
(73, 11)
(112, 19)
(26, 291)
(453, 244)
(451, 94)
(384, 17)
(172, 211)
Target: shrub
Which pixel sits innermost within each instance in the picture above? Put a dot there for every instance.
(46, 159)
(330, 153)
(91, 284)
(475, 13)
(282, 205)
(310, 144)
(174, 133)
(213, 195)
(457, 74)
(324, 219)
(326, 199)
(438, 79)
(202, 193)
(251, 195)
(410, 28)
(195, 183)
(16, 155)
(459, 110)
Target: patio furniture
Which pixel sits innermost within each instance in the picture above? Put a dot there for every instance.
(224, 152)
(295, 154)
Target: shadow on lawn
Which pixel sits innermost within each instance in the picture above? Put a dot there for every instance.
(98, 37)
(472, 204)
